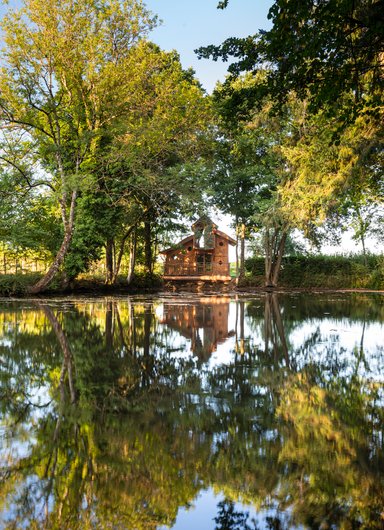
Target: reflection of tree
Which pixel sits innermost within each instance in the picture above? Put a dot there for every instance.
(334, 476)
(130, 432)
(274, 328)
(67, 365)
(228, 518)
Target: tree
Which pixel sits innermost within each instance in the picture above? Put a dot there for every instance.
(229, 519)
(329, 55)
(318, 49)
(248, 170)
(147, 168)
(63, 83)
(330, 180)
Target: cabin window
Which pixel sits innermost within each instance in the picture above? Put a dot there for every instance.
(208, 262)
(200, 263)
(204, 263)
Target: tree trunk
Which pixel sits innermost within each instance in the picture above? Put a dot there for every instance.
(237, 251)
(148, 246)
(274, 251)
(109, 328)
(132, 257)
(362, 239)
(42, 284)
(278, 259)
(268, 257)
(236, 325)
(121, 252)
(120, 255)
(242, 314)
(67, 367)
(109, 261)
(364, 249)
(280, 327)
(132, 328)
(242, 252)
(147, 362)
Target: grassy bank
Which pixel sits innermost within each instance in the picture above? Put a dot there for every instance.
(318, 272)
(328, 272)
(18, 284)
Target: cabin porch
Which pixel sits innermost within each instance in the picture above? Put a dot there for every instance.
(199, 271)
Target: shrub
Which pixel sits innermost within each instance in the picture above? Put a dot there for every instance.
(17, 284)
(330, 272)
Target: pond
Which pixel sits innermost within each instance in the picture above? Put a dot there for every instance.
(192, 412)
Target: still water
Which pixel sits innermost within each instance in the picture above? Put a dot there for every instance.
(192, 413)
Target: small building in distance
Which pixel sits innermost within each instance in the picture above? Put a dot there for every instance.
(201, 256)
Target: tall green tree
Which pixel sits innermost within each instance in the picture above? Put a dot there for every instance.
(329, 54)
(333, 180)
(148, 161)
(63, 82)
(248, 170)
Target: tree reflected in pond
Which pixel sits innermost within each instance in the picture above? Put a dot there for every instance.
(110, 417)
(228, 518)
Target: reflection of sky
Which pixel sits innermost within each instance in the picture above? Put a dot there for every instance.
(40, 505)
(201, 515)
(346, 337)
(341, 334)
(12, 448)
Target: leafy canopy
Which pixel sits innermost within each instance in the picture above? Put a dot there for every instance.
(317, 48)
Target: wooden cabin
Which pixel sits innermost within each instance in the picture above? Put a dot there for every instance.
(202, 255)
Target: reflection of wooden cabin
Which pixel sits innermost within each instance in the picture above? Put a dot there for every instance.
(204, 323)
(201, 256)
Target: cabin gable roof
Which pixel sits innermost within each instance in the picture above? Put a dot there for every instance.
(204, 220)
(189, 238)
(230, 239)
(176, 247)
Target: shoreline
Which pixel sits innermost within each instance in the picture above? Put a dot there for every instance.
(108, 290)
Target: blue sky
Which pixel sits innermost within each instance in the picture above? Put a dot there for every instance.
(189, 24)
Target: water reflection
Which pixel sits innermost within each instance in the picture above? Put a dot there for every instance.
(119, 413)
(204, 322)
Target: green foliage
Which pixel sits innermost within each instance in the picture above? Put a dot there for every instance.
(331, 179)
(96, 222)
(97, 124)
(143, 281)
(247, 166)
(320, 50)
(31, 224)
(328, 272)
(327, 55)
(17, 284)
